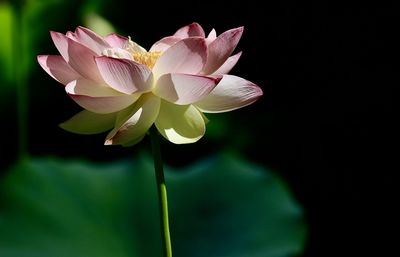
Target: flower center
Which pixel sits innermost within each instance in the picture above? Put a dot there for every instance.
(146, 58)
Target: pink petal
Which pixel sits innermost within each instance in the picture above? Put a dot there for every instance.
(184, 88)
(91, 40)
(228, 64)
(58, 68)
(61, 43)
(191, 30)
(187, 56)
(116, 41)
(98, 98)
(164, 44)
(133, 122)
(70, 34)
(124, 75)
(221, 48)
(231, 93)
(79, 57)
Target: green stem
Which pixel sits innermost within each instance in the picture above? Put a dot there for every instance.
(162, 192)
(20, 82)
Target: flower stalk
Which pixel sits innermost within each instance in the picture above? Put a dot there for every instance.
(162, 192)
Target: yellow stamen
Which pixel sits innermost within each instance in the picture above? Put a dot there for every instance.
(146, 58)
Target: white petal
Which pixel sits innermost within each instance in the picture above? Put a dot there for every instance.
(164, 44)
(134, 47)
(98, 98)
(90, 88)
(231, 93)
(117, 53)
(180, 124)
(228, 64)
(58, 68)
(133, 122)
(124, 75)
(88, 123)
(211, 36)
(186, 56)
(184, 89)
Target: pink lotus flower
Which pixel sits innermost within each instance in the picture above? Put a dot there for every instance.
(125, 88)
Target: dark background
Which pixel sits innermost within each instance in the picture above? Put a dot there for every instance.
(326, 122)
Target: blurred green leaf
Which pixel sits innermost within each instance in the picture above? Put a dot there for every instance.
(98, 24)
(6, 60)
(92, 14)
(222, 206)
(36, 15)
(22, 26)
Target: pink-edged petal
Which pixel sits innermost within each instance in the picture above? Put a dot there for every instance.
(88, 123)
(180, 124)
(98, 98)
(61, 42)
(191, 30)
(91, 40)
(184, 89)
(231, 93)
(186, 56)
(116, 41)
(228, 64)
(124, 75)
(164, 43)
(221, 48)
(133, 122)
(58, 68)
(78, 56)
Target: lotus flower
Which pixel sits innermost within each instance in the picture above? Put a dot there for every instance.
(126, 89)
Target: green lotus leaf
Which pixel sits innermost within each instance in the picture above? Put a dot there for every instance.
(222, 206)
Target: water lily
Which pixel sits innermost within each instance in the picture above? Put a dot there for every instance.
(126, 89)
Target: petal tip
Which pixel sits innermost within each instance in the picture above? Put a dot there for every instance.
(194, 24)
(41, 58)
(83, 29)
(238, 31)
(62, 125)
(56, 34)
(259, 91)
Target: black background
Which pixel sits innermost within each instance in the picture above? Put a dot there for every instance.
(326, 122)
